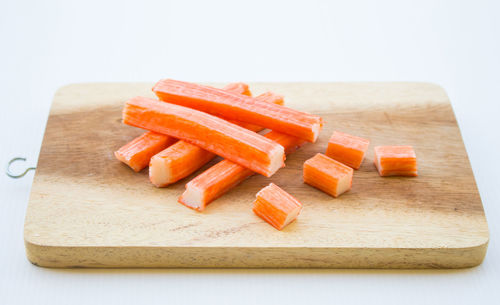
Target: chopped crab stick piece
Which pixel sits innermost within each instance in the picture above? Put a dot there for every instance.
(239, 107)
(182, 159)
(211, 133)
(139, 151)
(328, 175)
(240, 88)
(223, 176)
(347, 149)
(396, 161)
(276, 207)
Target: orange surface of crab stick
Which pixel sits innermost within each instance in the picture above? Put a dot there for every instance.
(211, 133)
(276, 207)
(223, 176)
(240, 88)
(328, 175)
(271, 97)
(396, 161)
(176, 162)
(239, 107)
(267, 97)
(139, 151)
(182, 159)
(347, 149)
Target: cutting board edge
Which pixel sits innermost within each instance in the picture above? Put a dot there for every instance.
(254, 257)
(59, 108)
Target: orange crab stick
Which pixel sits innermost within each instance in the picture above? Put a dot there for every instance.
(139, 151)
(240, 88)
(328, 175)
(211, 133)
(347, 149)
(223, 176)
(239, 107)
(267, 97)
(276, 206)
(396, 161)
(182, 159)
(177, 162)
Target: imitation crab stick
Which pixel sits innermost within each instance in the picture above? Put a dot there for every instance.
(239, 107)
(139, 151)
(328, 175)
(347, 149)
(240, 88)
(267, 97)
(276, 207)
(182, 159)
(177, 162)
(220, 178)
(396, 161)
(211, 133)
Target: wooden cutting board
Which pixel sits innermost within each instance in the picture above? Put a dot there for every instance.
(89, 210)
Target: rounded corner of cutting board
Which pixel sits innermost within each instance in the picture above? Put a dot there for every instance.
(478, 251)
(34, 252)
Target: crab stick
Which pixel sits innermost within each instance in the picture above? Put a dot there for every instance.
(276, 207)
(211, 133)
(277, 99)
(182, 159)
(268, 97)
(239, 107)
(328, 175)
(139, 151)
(396, 161)
(220, 178)
(347, 149)
(176, 162)
(240, 88)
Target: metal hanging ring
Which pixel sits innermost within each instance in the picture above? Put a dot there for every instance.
(7, 171)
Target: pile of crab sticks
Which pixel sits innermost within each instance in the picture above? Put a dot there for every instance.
(189, 124)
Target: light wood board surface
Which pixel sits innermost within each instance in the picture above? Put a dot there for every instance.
(88, 210)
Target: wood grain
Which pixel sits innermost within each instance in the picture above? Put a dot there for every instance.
(88, 210)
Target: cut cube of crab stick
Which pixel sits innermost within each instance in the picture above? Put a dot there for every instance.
(239, 107)
(347, 149)
(211, 133)
(139, 151)
(276, 207)
(328, 175)
(396, 161)
(223, 176)
(182, 159)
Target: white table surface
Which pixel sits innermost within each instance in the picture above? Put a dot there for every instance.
(47, 44)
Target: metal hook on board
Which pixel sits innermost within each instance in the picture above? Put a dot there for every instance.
(7, 171)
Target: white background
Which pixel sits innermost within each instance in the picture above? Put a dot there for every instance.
(47, 44)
